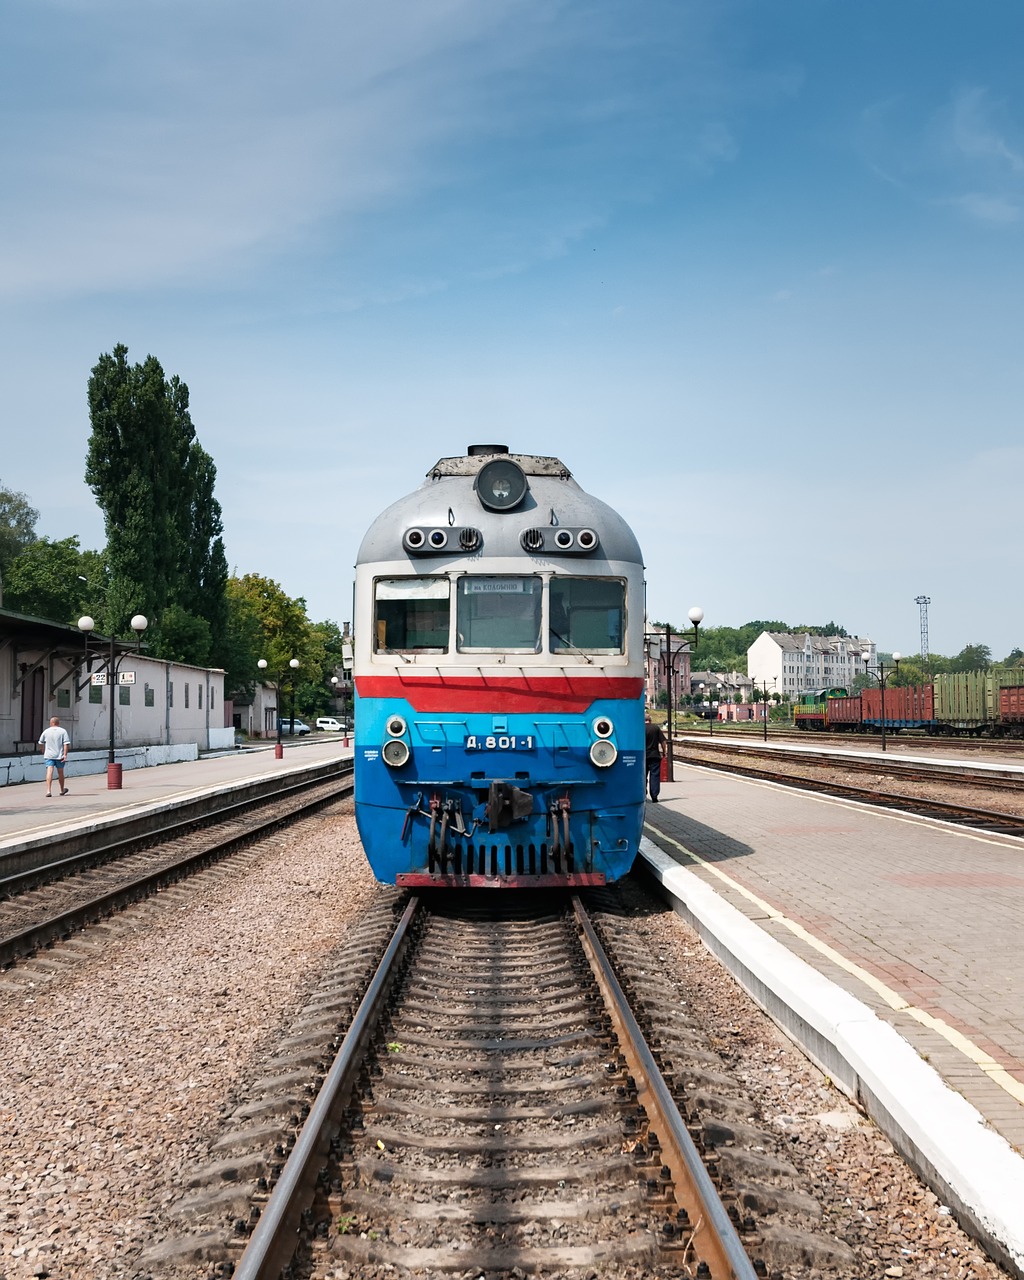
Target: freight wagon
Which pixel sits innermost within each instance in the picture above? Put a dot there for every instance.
(972, 703)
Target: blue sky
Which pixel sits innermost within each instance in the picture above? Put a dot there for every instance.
(751, 268)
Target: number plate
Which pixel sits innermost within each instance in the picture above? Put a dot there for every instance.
(499, 742)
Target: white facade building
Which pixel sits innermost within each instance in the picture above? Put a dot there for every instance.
(793, 665)
(46, 670)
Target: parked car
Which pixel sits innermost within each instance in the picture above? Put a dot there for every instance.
(331, 723)
(295, 727)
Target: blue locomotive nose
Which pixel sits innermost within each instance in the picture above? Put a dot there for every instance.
(512, 799)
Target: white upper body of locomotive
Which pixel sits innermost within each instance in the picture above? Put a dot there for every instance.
(499, 559)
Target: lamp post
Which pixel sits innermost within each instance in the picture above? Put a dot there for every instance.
(696, 616)
(294, 664)
(764, 686)
(882, 673)
(86, 625)
(714, 710)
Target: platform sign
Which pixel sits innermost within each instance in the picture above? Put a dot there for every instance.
(98, 678)
(126, 677)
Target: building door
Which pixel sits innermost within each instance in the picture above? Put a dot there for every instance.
(33, 705)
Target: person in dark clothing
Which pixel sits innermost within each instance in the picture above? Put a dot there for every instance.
(654, 750)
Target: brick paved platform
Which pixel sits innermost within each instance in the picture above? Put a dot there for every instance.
(25, 811)
(919, 922)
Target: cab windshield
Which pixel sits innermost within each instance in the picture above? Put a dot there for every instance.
(587, 615)
(499, 613)
(411, 615)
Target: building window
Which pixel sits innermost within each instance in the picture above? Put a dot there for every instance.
(95, 693)
(64, 698)
(170, 693)
(199, 690)
(124, 692)
(149, 696)
(211, 697)
(186, 695)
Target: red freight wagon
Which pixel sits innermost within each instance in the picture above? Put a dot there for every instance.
(1011, 704)
(906, 707)
(844, 713)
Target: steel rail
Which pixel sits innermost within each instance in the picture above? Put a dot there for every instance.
(1006, 824)
(275, 1236)
(995, 776)
(16, 946)
(44, 873)
(715, 1239)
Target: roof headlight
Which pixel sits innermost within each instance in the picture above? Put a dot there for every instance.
(501, 484)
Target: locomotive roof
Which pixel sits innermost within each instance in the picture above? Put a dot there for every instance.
(468, 465)
(447, 497)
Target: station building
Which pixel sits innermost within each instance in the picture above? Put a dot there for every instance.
(162, 711)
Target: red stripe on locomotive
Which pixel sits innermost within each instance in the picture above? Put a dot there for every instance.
(498, 694)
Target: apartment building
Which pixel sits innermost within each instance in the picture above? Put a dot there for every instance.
(802, 663)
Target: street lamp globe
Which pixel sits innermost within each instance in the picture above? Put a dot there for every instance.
(696, 615)
(896, 657)
(294, 664)
(262, 664)
(139, 623)
(86, 624)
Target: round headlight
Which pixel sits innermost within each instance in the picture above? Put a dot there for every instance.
(414, 538)
(564, 539)
(395, 752)
(438, 538)
(395, 726)
(603, 753)
(501, 484)
(603, 727)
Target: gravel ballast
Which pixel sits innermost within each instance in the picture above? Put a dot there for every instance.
(125, 1049)
(120, 1066)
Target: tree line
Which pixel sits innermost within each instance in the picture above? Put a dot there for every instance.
(725, 649)
(164, 555)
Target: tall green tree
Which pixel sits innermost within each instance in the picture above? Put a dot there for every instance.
(128, 467)
(55, 580)
(154, 484)
(284, 629)
(973, 657)
(17, 529)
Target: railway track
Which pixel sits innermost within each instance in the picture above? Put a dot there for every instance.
(1000, 823)
(899, 740)
(988, 776)
(72, 889)
(514, 1093)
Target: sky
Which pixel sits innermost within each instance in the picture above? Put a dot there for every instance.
(751, 268)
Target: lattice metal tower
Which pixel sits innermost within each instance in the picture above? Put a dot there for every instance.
(923, 602)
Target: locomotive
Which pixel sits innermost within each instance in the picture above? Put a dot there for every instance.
(498, 672)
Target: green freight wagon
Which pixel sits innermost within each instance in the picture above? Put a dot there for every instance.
(969, 700)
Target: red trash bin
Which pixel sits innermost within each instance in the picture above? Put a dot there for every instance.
(664, 768)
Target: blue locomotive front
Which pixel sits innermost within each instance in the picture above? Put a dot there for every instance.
(499, 683)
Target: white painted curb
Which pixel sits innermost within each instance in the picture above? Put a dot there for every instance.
(972, 1169)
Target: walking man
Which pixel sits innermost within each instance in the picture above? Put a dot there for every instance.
(54, 743)
(654, 750)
